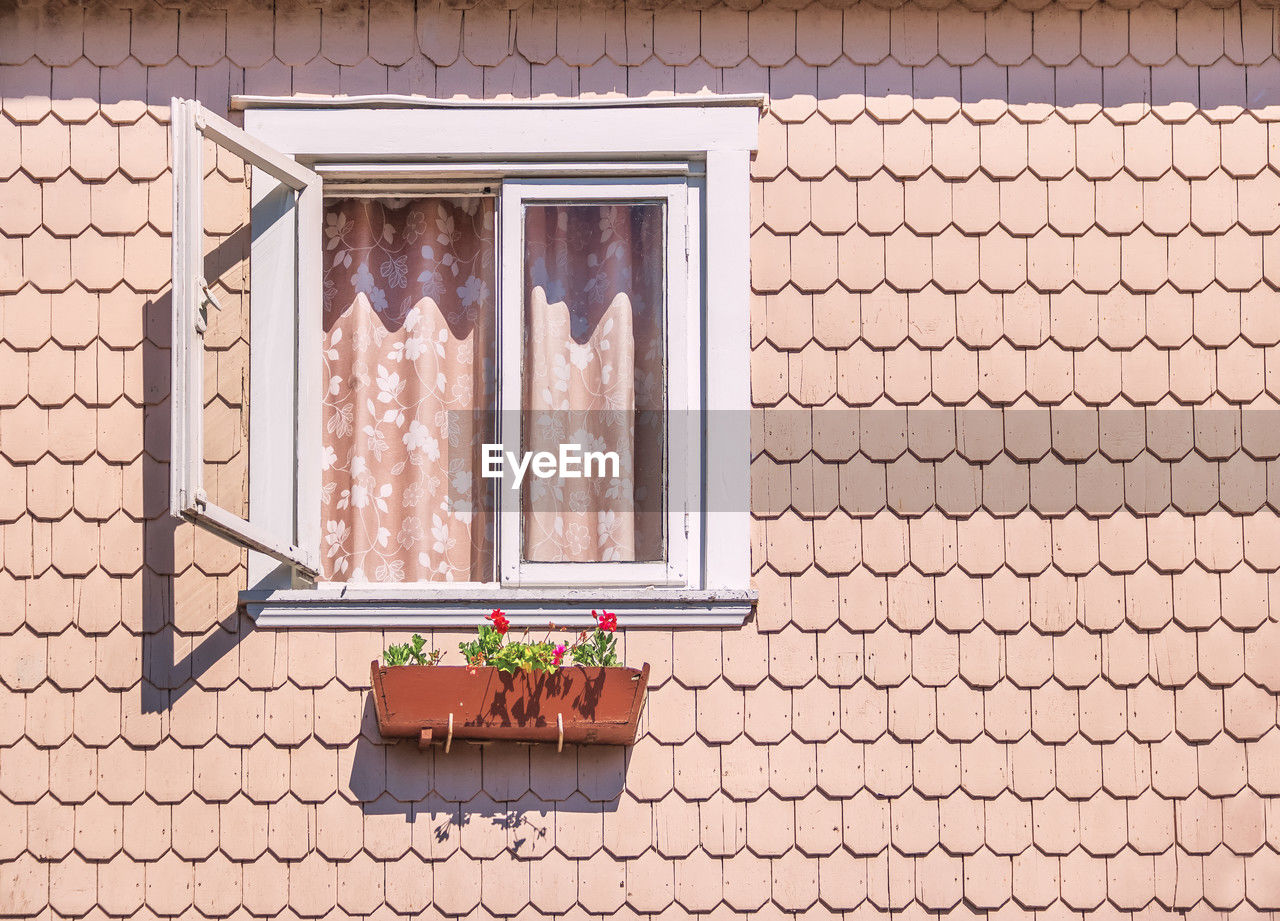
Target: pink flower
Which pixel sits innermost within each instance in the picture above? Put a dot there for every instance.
(558, 656)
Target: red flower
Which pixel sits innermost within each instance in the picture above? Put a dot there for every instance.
(500, 622)
(606, 621)
(557, 657)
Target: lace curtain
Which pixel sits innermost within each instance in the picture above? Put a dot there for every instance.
(594, 284)
(409, 382)
(410, 385)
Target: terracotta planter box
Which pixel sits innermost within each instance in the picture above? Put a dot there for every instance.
(442, 703)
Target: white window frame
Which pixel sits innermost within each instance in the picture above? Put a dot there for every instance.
(409, 143)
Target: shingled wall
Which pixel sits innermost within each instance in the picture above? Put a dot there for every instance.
(1014, 652)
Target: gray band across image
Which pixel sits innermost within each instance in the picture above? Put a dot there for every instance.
(911, 460)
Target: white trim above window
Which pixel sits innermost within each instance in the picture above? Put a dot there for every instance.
(246, 101)
(401, 127)
(692, 153)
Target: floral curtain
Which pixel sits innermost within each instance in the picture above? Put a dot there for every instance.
(409, 383)
(594, 283)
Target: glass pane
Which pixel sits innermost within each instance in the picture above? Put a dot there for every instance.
(225, 194)
(409, 395)
(595, 372)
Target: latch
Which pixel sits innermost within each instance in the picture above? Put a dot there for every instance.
(202, 312)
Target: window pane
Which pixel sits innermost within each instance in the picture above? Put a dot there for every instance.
(594, 379)
(409, 395)
(226, 196)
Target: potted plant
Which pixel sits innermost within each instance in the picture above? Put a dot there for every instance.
(512, 689)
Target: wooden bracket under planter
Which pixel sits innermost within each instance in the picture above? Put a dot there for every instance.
(440, 703)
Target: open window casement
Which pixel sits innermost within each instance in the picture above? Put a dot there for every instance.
(286, 216)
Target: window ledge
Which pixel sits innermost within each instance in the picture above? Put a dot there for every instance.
(376, 607)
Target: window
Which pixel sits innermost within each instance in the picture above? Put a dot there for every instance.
(498, 355)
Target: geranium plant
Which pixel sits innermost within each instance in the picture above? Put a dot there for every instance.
(411, 653)
(600, 646)
(492, 647)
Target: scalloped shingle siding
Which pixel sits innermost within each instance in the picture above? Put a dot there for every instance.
(1015, 654)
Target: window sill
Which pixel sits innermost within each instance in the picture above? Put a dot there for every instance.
(376, 607)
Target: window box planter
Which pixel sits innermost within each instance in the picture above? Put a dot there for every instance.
(441, 703)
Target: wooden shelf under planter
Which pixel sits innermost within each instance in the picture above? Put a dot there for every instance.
(441, 703)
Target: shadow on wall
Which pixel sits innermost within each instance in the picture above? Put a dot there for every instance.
(890, 88)
(164, 676)
(485, 787)
(177, 656)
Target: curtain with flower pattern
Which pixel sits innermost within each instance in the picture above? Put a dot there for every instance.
(594, 287)
(409, 384)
